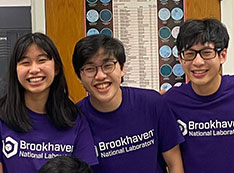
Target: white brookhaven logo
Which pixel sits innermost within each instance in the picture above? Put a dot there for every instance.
(183, 127)
(207, 128)
(10, 147)
(126, 144)
(34, 150)
(126, 140)
(212, 124)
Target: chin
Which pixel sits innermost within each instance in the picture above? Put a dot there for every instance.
(200, 83)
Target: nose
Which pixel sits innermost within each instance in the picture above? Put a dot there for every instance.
(198, 60)
(34, 68)
(100, 74)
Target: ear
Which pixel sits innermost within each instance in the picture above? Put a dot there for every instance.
(223, 56)
(180, 59)
(123, 71)
(56, 70)
(80, 80)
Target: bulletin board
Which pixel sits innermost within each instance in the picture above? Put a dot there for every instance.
(148, 30)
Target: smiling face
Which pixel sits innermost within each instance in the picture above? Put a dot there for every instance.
(35, 71)
(204, 74)
(104, 89)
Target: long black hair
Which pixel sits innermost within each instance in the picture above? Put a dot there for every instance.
(61, 111)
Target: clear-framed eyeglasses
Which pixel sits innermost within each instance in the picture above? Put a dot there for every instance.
(91, 70)
(206, 53)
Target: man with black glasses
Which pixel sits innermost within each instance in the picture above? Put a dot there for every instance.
(133, 128)
(204, 106)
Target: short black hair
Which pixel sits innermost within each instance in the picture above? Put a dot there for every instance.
(88, 46)
(202, 31)
(65, 164)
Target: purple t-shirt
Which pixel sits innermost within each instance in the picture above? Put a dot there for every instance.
(132, 138)
(207, 123)
(27, 152)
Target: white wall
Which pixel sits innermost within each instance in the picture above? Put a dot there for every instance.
(37, 11)
(227, 17)
(7, 3)
(38, 16)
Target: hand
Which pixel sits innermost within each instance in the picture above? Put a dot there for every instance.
(162, 92)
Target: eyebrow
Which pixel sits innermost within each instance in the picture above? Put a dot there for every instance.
(40, 55)
(103, 61)
(206, 47)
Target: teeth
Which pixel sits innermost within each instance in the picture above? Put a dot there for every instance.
(35, 79)
(199, 72)
(102, 86)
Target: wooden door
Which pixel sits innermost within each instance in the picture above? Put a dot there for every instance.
(65, 26)
(199, 9)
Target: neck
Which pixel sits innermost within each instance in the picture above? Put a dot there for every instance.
(108, 106)
(36, 102)
(208, 89)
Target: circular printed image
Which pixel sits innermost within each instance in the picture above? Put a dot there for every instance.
(92, 1)
(164, 32)
(92, 15)
(165, 86)
(175, 31)
(175, 51)
(106, 31)
(163, 1)
(165, 51)
(178, 70)
(164, 14)
(105, 15)
(105, 1)
(177, 13)
(165, 70)
(92, 31)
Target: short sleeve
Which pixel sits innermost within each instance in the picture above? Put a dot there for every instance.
(84, 147)
(169, 132)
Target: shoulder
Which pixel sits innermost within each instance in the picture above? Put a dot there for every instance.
(228, 79)
(81, 120)
(82, 102)
(228, 76)
(139, 92)
(85, 107)
(141, 97)
(178, 90)
(5, 130)
(227, 85)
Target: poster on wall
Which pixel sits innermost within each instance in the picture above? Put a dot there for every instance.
(99, 17)
(148, 30)
(170, 16)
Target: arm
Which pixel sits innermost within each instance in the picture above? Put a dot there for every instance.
(1, 170)
(162, 92)
(174, 160)
(84, 144)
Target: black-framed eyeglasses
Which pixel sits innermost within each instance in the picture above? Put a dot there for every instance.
(91, 70)
(206, 53)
